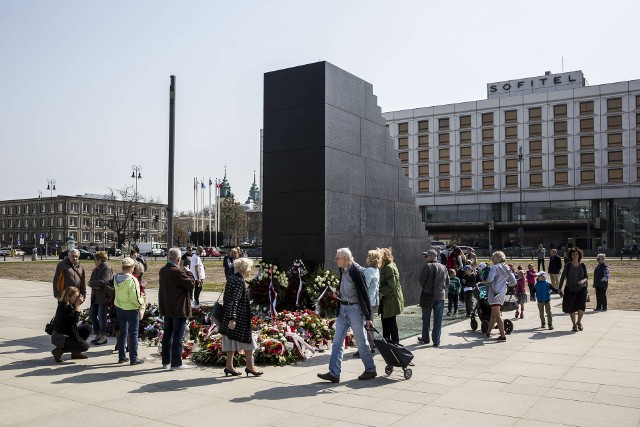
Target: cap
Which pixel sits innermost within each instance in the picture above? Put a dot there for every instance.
(541, 273)
(430, 252)
(482, 265)
(128, 262)
(467, 267)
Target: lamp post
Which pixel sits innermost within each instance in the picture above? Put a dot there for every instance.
(51, 186)
(135, 174)
(520, 229)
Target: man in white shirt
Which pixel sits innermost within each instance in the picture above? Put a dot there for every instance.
(197, 269)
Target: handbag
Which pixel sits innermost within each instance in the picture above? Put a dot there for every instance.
(48, 328)
(216, 311)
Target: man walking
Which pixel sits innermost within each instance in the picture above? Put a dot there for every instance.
(197, 269)
(434, 280)
(440, 256)
(555, 265)
(354, 311)
(176, 285)
(634, 250)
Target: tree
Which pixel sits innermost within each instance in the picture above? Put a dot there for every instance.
(120, 212)
(232, 219)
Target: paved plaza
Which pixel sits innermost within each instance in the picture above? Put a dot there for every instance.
(538, 377)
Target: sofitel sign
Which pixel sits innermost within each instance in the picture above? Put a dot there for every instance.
(548, 82)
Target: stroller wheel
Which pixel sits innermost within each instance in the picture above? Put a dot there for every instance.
(484, 326)
(407, 374)
(389, 369)
(474, 324)
(508, 326)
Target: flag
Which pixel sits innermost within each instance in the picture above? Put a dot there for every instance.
(210, 182)
(194, 183)
(202, 184)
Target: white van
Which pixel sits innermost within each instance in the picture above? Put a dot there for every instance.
(150, 249)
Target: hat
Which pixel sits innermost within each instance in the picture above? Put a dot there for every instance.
(482, 266)
(467, 267)
(128, 262)
(542, 273)
(430, 252)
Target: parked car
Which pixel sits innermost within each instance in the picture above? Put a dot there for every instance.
(255, 252)
(18, 252)
(114, 252)
(514, 251)
(5, 252)
(83, 254)
(438, 243)
(213, 252)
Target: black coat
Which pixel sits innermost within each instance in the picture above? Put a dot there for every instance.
(66, 321)
(100, 284)
(229, 270)
(363, 294)
(236, 307)
(555, 264)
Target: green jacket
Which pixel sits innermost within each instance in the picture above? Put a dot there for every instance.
(128, 296)
(391, 297)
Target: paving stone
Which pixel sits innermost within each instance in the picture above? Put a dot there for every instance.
(582, 413)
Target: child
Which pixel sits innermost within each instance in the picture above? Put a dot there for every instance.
(454, 292)
(543, 295)
(468, 283)
(531, 281)
(521, 292)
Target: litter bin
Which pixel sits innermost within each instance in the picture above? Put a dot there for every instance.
(34, 256)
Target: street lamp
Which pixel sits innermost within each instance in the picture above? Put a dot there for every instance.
(51, 186)
(521, 164)
(135, 174)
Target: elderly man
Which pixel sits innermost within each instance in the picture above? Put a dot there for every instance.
(434, 280)
(354, 311)
(197, 269)
(555, 266)
(69, 273)
(176, 285)
(441, 257)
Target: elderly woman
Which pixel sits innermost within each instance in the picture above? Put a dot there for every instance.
(499, 277)
(129, 303)
(101, 294)
(391, 297)
(601, 282)
(228, 262)
(235, 325)
(372, 280)
(575, 298)
(67, 336)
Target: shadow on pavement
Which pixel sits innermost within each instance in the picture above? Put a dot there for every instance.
(297, 391)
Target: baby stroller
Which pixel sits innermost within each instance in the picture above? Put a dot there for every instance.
(394, 355)
(483, 310)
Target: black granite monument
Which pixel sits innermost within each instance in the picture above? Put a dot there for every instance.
(332, 177)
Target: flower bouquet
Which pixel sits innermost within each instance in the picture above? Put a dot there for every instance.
(321, 288)
(268, 287)
(295, 295)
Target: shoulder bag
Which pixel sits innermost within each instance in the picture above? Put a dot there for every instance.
(216, 311)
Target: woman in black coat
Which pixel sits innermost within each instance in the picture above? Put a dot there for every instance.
(67, 336)
(235, 325)
(101, 294)
(574, 297)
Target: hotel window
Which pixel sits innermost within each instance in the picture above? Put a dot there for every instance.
(85, 237)
(586, 108)
(443, 154)
(423, 170)
(403, 128)
(588, 177)
(535, 130)
(465, 122)
(511, 148)
(614, 105)
(586, 142)
(443, 139)
(443, 123)
(423, 185)
(73, 222)
(444, 185)
(535, 146)
(512, 181)
(487, 166)
(614, 140)
(535, 113)
(512, 164)
(560, 111)
(443, 169)
(614, 122)
(487, 150)
(561, 161)
(465, 167)
(423, 141)
(403, 142)
(559, 128)
(535, 162)
(561, 178)
(74, 207)
(465, 183)
(423, 126)
(465, 152)
(560, 144)
(511, 116)
(615, 157)
(423, 155)
(511, 132)
(404, 157)
(487, 134)
(465, 137)
(535, 180)
(405, 171)
(586, 125)
(615, 175)
(86, 222)
(488, 182)
(587, 159)
(487, 119)
(98, 223)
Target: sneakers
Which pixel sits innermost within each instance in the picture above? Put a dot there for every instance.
(166, 366)
(103, 342)
(368, 375)
(329, 377)
(136, 362)
(179, 368)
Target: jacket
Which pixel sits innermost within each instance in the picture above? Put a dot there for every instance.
(176, 285)
(454, 285)
(73, 276)
(601, 276)
(468, 282)
(555, 264)
(573, 275)
(357, 276)
(543, 291)
(434, 280)
(229, 269)
(392, 299)
(236, 307)
(66, 322)
(372, 279)
(100, 284)
(128, 296)
(531, 277)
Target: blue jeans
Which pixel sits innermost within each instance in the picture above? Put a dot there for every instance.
(350, 316)
(172, 340)
(129, 322)
(438, 309)
(98, 317)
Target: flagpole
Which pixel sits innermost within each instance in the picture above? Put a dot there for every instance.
(194, 205)
(217, 209)
(210, 211)
(202, 207)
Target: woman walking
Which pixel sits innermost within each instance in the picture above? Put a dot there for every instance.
(235, 325)
(372, 280)
(500, 276)
(67, 336)
(601, 283)
(129, 307)
(101, 294)
(391, 297)
(575, 298)
(540, 253)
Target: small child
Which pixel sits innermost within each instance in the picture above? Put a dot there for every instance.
(454, 292)
(468, 282)
(543, 295)
(531, 281)
(521, 292)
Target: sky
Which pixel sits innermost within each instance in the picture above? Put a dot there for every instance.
(84, 85)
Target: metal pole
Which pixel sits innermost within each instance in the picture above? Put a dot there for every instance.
(521, 230)
(172, 130)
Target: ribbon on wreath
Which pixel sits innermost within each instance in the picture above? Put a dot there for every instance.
(297, 267)
(300, 344)
(329, 287)
(273, 296)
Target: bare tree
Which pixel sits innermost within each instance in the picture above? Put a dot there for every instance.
(232, 219)
(121, 210)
